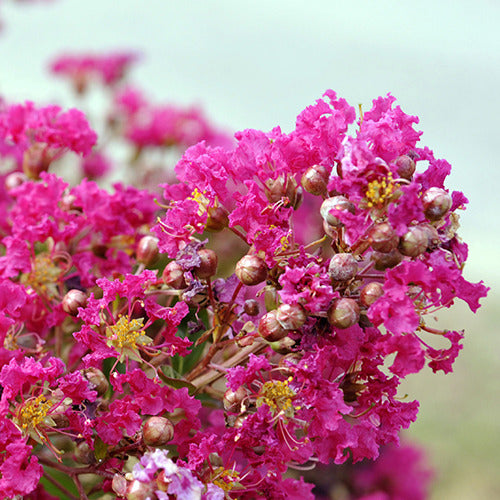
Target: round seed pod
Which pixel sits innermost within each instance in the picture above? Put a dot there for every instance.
(406, 166)
(232, 399)
(342, 267)
(251, 307)
(433, 239)
(208, 264)
(343, 313)
(147, 250)
(217, 220)
(383, 238)
(291, 316)
(73, 300)
(337, 203)
(315, 180)
(371, 293)
(97, 380)
(414, 242)
(385, 261)
(251, 270)
(173, 276)
(157, 431)
(270, 328)
(437, 202)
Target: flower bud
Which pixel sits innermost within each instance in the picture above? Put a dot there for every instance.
(119, 485)
(437, 202)
(342, 267)
(270, 328)
(157, 431)
(433, 239)
(343, 313)
(97, 380)
(251, 307)
(232, 399)
(173, 276)
(73, 300)
(251, 270)
(315, 180)
(291, 316)
(283, 346)
(337, 203)
(15, 179)
(414, 242)
(371, 293)
(388, 260)
(84, 454)
(138, 490)
(383, 238)
(147, 250)
(217, 219)
(406, 166)
(284, 188)
(208, 264)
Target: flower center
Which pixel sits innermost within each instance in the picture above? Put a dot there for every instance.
(33, 412)
(379, 191)
(43, 276)
(126, 334)
(278, 396)
(225, 478)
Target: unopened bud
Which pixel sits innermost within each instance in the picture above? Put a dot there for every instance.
(251, 270)
(406, 166)
(283, 346)
(385, 261)
(342, 267)
(97, 380)
(251, 307)
(343, 313)
(315, 180)
(371, 293)
(383, 238)
(232, 399)
(433, 239)
(138, 490)
(291, 316)
(217, 220)
(119, 485)
(285, 189)
(414, 242)
(437, 202)
(173, 276)
(270, 328)
(15, 179)
(157, 431)
(73, 300)
(208, 263)
(147, 250)
(337, 203)
(84, 454)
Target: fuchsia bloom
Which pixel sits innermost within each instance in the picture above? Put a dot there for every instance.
(265, 327)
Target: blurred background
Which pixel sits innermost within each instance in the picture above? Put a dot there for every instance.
(258, 64)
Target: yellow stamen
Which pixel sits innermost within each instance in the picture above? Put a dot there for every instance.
(43, 277)
(125, 334)
(278, 396)
(380, 191)
(33, 413)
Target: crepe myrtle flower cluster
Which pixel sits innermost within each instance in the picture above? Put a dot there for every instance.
(257, 321)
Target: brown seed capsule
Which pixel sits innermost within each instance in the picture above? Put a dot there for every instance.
(208, 265)
(383, 238)
(343, 313)
(270, 328)
(173, 276)
(337, 203)
(385, 261)
(291, 316)
(97, 380)
(232, 399)
(251, 307)
(414, 242)
(251, 270)
(136, 490)
(371, 293)
(437, 202)
(342, 267)
(433, 239)
(406, 166)
(73, 300)
(157, 431)
(147, 250)
(315, 180)
(285, 189)
(217, 220)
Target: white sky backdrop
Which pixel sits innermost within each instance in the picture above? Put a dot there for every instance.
(257, 64)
